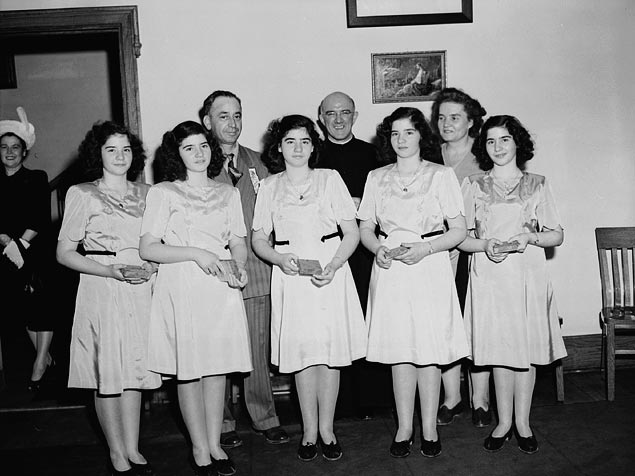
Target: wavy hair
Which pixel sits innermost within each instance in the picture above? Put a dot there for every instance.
(522, 138)
(472, 107)
(89, 151)
(428, 144)
(277, 130)
(168, 164)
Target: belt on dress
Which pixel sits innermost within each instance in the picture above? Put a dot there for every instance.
(100, 252)
(323, 239)
(425, 235)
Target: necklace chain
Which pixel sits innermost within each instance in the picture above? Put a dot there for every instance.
(295, 189)
(404, 187)
(509, 184)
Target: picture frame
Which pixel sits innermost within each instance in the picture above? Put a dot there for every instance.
(374, 13)
(407, 76)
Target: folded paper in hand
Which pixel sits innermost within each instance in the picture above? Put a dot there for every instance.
(309, 267)
(394, 252)
(135, 272)
(506, 247)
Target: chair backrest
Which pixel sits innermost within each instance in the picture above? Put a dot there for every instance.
(617, 263)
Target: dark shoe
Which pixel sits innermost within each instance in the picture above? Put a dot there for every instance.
(275, 435)
(495, 443)
(206, 470)
(445, 415)
(230, 440)
(401, 449)
(224, 467)
(481, 418)
(528, 444)
(332, 451)
(34, 385)
(431, 449)
(307, 452)
(142, 469)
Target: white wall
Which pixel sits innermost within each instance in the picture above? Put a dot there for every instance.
(563, 67)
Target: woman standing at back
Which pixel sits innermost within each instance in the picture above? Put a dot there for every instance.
(457, 119)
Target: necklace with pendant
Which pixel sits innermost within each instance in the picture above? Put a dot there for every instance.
(295, 189)
(404, 187)
(509, 185)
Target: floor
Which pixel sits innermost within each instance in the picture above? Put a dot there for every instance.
(54, 433)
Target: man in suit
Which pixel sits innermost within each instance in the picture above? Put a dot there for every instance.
(364, 385)
(221, 114)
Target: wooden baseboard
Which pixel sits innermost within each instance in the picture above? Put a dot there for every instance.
(584, 352)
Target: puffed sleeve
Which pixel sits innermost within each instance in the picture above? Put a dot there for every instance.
(547, 213)
(467, 189)
(367, 210)
(341, 202)
(157, 212)
(450, 197)
(236, 218)
(75, 215)
(262, 211)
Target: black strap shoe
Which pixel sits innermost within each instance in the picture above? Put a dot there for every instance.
(445, 415)
(431, 449)
(307, 452)
(332, 451)
(527, 444)
(401, 449)
(230, 440)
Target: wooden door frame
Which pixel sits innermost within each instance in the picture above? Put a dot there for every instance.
(121, 20)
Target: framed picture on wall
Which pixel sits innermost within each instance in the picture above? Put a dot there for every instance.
(373, 13)
(408, 76)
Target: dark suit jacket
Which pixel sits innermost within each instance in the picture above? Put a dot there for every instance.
(258, 271)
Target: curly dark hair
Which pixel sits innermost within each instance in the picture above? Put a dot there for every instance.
(89, 151)
(168, 164)
(472, 107)
(277, 130)
(428, 144)
(522, 138)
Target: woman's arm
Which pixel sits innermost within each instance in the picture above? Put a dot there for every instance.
(287, 262)
(152, 248)
(238, 250)
(67, 255)
(350, 240)
(372, 244)
(543, 239)
(417, 251)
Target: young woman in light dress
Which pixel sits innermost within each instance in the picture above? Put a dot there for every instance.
(414, 317)
(317, 325)
(198, 325)
(109, 339)
(510, 313)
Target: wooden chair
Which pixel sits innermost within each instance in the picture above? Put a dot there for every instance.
(617, 263)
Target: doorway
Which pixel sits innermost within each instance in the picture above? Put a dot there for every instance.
(75, 36)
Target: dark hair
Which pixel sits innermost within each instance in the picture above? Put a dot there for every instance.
(90, 150)
(277, 130)
(473, 109)
(167, 160)
(209, 100)
(428, 145)
(524, 143)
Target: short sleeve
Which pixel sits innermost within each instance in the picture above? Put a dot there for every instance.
(262, 211)
(236, 217)
(367, 208)
(157, 212)
(341, 201)
(547, 213)
(450, 198)
(75, 215)
(467, 189)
